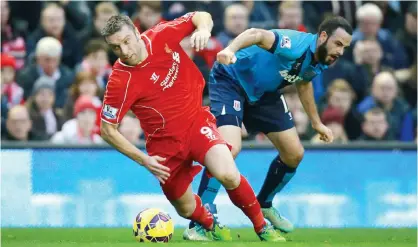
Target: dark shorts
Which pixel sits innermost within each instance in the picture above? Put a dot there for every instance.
(231, 107)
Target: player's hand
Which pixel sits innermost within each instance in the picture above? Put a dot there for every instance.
(152, 163)
(199, 39)
(226, 57)
(325, 133)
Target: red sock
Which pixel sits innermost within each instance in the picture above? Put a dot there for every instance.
(243, 197)
(201, 215)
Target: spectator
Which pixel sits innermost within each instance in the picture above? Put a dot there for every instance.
(334, 120)
(46, 121)
(82, 128)
(102, 12)
(96, 61)
(48, 55)
(316, 11)
(408, 34)
(18, 125)
(291, 16)
(375, 126)
(260, 16)
(299, 116)
(392, 16)
(53, 24)
(370, 18)
(343, 69)
(84, 85)
(384, 94)
(302, 124)
(236, 19)
(11, 41)
(11, 92)
(407, 79)
(77, 13)
(27, 20)
(131, 129)
(149, 14)
(292, 98)
(341, 97)
(368, 57)
(175, 9)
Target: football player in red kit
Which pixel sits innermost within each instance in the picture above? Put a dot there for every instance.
(155, 79)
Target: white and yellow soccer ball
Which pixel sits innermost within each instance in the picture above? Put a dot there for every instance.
(153, 225)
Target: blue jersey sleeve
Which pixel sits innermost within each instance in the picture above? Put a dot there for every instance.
(290, 43)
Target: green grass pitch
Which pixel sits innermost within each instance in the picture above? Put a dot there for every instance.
(122, 237)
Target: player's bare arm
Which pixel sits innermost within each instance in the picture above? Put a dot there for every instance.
(204, 24)
(111, 135)
(306, 96)
(253, 36)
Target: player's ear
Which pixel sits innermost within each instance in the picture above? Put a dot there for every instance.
(137, 34)
(323, 36)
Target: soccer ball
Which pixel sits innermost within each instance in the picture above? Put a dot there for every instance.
(153, 225)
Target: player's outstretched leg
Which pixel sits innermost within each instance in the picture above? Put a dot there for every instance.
(209, 186)
(221, 165)
(190, 207)
(208, 189)
(281, 171)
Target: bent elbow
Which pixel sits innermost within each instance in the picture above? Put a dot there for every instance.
(256, 33)
(106, 131)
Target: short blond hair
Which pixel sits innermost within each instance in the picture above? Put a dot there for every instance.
(341, 85)
(106, 8)
(289, 5)
(373, 112)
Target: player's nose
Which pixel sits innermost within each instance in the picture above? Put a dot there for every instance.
(124, 50)
(340, 51)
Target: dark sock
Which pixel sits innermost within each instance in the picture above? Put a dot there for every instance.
(278, 176)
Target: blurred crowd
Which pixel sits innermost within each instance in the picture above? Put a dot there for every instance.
(55, 65)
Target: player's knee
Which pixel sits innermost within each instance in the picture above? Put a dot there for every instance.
(185, 210)
(230, 179)
(293, 159)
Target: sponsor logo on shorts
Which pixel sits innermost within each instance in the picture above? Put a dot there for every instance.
(237, 105)
(208, 133)
(109, 112)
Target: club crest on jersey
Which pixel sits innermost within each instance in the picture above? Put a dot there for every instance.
(237, 105)
(167, 49)
(285, 42)
(109, 112)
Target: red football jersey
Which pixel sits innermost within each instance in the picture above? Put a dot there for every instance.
(164, 91)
